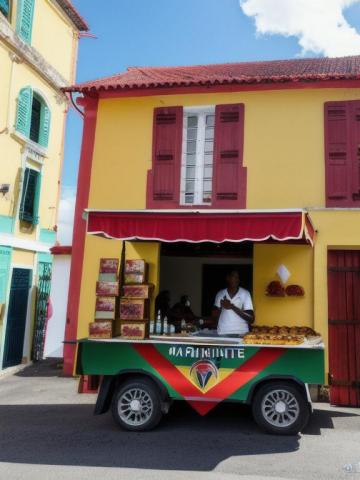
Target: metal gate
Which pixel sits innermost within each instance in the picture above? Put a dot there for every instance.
(16, 317)
(42, 297)
(344, 327)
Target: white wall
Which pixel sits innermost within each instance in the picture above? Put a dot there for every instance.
(58, 295)
(183, 275)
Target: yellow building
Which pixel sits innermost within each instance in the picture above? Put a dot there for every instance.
(38, 52)
(265, 139)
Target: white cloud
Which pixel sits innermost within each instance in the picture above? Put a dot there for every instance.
(66, 216)
(319, 25)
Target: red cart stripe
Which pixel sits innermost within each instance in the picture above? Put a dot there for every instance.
(237, 379)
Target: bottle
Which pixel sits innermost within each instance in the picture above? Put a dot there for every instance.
(152, 325)
(158, 323)
(183, 326)
(172, 328)
(166, 326)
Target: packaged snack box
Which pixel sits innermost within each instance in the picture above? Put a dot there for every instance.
(133, 330)
(134, 309)
(101, 329)
(135, 266)
(109, 265)
(138, 291)
(110, 289)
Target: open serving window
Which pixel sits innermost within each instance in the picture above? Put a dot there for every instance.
(198, 248)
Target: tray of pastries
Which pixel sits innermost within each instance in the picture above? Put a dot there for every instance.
(265, 335)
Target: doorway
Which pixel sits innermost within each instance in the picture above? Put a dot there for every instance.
(344, 327)
(16, 317)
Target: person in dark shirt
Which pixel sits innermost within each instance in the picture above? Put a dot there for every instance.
(181, 311)
(162, 303)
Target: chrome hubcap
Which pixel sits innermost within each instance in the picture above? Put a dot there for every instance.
(135, 407)
(280, 408)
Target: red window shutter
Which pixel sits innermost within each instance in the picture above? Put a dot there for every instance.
(229, 179)
(338, 161)
(355, 151)
(163, 189)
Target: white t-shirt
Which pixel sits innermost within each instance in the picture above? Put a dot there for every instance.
(229, 321)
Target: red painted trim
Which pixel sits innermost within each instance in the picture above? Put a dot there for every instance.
(61, 250)
(78, 243)
(144, 92)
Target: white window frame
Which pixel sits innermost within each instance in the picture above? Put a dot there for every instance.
(201, 113)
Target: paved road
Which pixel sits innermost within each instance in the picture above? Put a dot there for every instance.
(47, 431)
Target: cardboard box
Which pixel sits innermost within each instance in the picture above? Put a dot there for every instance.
(109, 265)
(105, 304)
(133, 330)
(101, 329)
(134, 278)
(110, 289)
(135, 266)
(134, 309)
(138, 291)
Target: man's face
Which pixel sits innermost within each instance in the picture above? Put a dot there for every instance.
(233, 279)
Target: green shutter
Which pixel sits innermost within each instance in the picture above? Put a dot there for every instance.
(23, 114)
(5, 261)
(29, 205)
(37, 199)
(45, 117)
(5, 7)
(25, 19)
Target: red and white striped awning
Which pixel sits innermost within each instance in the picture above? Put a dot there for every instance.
(197, 226)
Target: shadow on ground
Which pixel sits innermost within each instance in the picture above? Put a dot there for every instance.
(50, 367)
(71, 435)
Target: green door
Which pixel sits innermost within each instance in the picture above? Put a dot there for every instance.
(16, 318)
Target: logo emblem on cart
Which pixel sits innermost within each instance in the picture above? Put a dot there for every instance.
(201, 372)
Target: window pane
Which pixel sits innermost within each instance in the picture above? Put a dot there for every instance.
(209, 133)
(35, 120)
(191, 147)
(189, 198)
(190, 159)
(192, 133)
(209, 146)
(208, 172)
(208, 159)
(210, 120)
(192, 122)
(190, 173)
(207, 185)
(189, 186)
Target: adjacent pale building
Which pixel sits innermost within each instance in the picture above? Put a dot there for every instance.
(38, 53)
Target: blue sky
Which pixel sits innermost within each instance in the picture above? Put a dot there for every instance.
(184, 32)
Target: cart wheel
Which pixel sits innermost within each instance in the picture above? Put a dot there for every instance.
(136, 405)
(280, 408)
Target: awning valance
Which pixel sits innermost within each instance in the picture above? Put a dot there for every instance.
(215, 226)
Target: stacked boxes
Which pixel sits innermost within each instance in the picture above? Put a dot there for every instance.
(107, 289)
(134, 307)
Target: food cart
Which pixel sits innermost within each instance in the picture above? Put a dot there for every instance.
(142, 377)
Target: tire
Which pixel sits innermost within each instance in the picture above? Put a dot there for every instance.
(136, 405)
(280, 408)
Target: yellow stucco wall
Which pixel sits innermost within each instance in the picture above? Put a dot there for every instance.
(54, 37)
(283, 146)
(298, 259)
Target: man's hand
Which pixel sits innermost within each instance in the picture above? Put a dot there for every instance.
(225, 303)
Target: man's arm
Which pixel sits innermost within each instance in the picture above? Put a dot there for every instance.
(247, 315)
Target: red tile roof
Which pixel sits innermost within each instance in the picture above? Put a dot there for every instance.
(73, 14)
(275, 71)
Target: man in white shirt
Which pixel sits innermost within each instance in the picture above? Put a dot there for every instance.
(233, 307)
